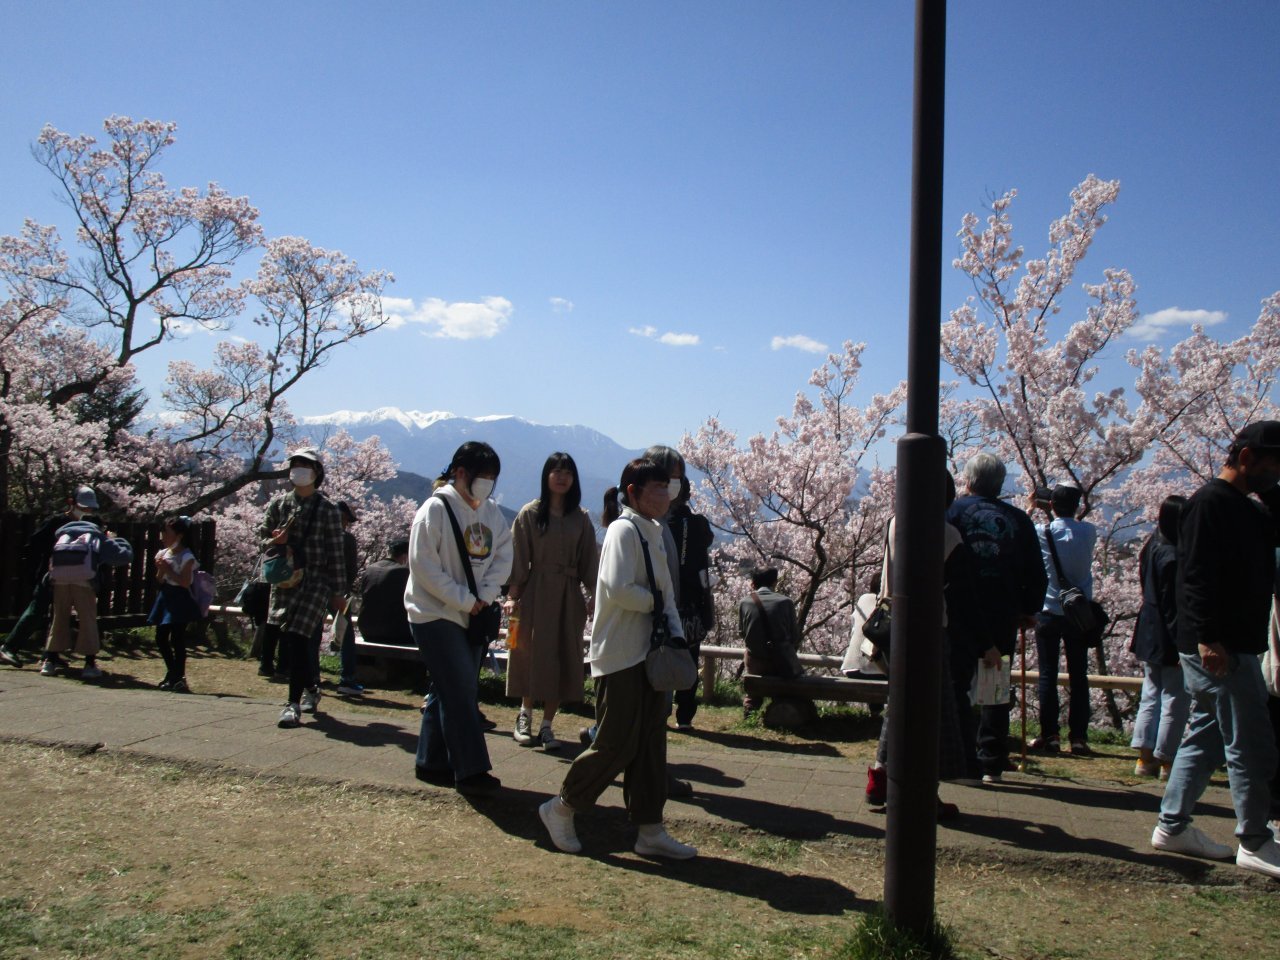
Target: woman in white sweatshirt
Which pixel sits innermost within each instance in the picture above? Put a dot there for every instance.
(440, 602)
(631, 738)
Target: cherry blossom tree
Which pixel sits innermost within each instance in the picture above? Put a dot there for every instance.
(152, 263)
(809, 498)
(1036, 396)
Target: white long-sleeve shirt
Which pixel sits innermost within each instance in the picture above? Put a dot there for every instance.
(624, 602)
(437, 587)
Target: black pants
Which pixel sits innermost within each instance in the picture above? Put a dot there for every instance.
(171, 638)
(687, 700)
(268, 643)
(294, 646)
(963, 665)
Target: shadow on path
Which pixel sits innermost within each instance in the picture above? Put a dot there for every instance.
(608, 838)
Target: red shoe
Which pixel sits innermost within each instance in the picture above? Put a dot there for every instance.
(877, 786)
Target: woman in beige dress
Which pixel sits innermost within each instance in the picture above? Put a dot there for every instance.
(555, 562)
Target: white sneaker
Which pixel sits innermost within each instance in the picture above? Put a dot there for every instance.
(560, 825)
(310, 699)
(659, 843)
(290, 716)
(524, 729)
(1191, 842)
(1266, 859)
(49, 668)
(547, 738)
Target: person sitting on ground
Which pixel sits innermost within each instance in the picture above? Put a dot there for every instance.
(631, 736)
(555, 564)
(1165, 704)
(1073, 542)
(766, 620)
(175, 606)
(383, 618)
(34, 620)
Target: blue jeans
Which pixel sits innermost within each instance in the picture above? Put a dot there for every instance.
(1229, 721)
(1162, 712)
(451, 738)
(1050, 638)
(347, 655)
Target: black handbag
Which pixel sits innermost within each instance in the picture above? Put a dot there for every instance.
(1086, 618)
(483, 627)
(878, 627)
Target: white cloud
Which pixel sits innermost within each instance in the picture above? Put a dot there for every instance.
(1152, 326)
(680, 339)
(455, 321)
(671, 339)
(798, 342)
(561, 305)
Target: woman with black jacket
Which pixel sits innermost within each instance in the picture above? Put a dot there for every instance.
(1165, 705)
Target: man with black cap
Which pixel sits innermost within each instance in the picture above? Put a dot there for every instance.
(1071, 551)
(310, 526)
(1226, 570)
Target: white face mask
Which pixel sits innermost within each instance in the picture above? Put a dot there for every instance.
(673, 490)
(302, 477)
(481, 487)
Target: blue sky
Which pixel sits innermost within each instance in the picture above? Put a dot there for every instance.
(575, 182)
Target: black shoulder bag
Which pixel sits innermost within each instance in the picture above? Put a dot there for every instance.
(483, 627)
(1086, 617)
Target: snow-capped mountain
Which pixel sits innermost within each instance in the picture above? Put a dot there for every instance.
(423, 443)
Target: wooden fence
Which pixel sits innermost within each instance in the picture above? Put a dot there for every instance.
(126, 593)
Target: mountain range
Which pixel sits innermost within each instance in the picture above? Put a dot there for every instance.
(423, 443)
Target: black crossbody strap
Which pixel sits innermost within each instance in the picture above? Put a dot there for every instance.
(462, 547)
(1063, 582)
(648, 565)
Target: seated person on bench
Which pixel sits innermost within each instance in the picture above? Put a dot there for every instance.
(767, 626)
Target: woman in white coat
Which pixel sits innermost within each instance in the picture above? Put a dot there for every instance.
(631, 716)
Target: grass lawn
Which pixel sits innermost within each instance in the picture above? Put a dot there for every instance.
(109, 856)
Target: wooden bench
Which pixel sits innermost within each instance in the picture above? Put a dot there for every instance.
(791, 700)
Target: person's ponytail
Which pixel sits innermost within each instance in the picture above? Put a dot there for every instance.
(611, 510)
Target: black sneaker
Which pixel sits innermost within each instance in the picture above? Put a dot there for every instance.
(439, 778)
(9, 657)
(264, 672)
(486, 724)
(479, 785)
(179, 686)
